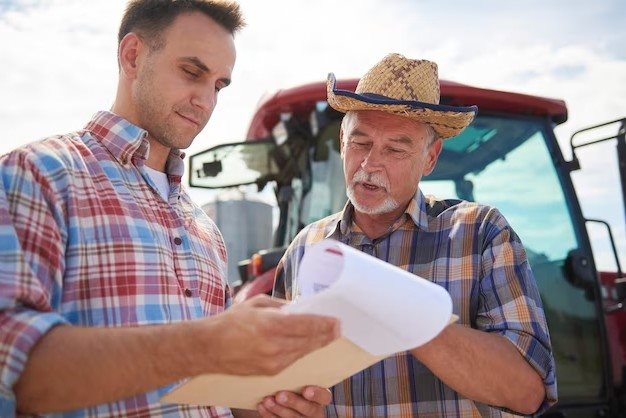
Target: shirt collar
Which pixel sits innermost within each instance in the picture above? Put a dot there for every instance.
(128, 142)
(416, 210)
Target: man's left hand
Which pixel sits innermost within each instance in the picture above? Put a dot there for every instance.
(292, 405)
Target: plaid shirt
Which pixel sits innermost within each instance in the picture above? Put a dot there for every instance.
(85, 239)
(472, 252)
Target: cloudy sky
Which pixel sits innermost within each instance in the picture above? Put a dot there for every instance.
(58, 66)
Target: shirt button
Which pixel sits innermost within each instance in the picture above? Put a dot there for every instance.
(188, 293)
(178, 241)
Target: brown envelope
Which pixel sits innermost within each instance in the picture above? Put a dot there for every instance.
(324, 367)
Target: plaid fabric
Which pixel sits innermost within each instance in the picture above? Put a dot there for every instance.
(85, 239)
(472, 252)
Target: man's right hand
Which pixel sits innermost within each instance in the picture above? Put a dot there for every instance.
(255, 337)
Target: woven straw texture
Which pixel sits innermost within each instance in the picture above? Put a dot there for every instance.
(399, 78)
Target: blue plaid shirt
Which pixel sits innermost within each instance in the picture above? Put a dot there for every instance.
(472, 252)
(86, 240)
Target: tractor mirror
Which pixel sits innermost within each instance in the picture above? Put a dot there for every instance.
(231, 165)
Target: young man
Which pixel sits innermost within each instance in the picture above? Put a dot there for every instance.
(112, 281)
(497, 359)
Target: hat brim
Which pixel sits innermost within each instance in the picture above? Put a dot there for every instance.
(447, 121)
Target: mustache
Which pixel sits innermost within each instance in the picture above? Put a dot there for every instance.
(376, 179)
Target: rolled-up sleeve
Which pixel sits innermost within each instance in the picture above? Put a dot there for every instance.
(31, 266)
(510, 303)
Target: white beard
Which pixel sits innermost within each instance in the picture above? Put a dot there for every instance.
(388, 205)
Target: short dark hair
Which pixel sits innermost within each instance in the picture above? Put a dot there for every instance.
(150, 18)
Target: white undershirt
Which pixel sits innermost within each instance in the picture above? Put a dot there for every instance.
(162, 183)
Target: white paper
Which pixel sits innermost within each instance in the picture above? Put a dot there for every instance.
(382, 308)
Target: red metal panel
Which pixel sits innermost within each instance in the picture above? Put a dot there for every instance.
(615, 326)
(301, 100)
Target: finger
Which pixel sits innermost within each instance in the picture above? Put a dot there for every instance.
(297, 403)
(264, 301)
(281, 411)
(282, 302)
(264, 412)
(305, 325)
(292, 349)
(321, 396)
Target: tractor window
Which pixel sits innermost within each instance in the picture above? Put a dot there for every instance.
(505, 163)
(327, 193)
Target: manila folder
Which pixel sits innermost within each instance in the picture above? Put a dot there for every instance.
(324, 367)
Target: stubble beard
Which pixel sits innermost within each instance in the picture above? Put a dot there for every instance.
(154, 116)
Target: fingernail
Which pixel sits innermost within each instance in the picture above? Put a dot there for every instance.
(308, 393)
(281, 398)
(269, 403)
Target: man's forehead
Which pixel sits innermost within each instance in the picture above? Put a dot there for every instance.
(197, 35)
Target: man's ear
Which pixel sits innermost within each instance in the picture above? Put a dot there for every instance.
(341, 142)
(434, 150)
(129, 52)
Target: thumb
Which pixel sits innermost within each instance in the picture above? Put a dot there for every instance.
(264, 301)
(319, 395)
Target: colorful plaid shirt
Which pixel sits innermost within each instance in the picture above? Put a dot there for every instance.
(472, 252)
(86, 240)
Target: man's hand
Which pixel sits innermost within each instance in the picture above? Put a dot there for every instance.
(291, 405)
(252, 338)
(256, 338)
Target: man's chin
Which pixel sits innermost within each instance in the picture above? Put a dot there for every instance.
(186, 143)
(379, 209)
(183, 141)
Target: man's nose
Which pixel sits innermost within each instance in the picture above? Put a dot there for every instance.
(205, 99)
(373, 160)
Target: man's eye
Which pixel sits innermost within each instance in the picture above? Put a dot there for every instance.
(190, 73)
(395, 150)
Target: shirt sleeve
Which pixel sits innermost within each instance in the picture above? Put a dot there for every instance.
(31, 266)
(284, 277)
(228, 296)
(510, 304)
(287, 269)
(279, 289)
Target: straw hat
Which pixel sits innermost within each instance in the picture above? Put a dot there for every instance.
(404, 87)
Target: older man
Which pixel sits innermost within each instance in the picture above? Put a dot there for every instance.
(112, 281)
(497, 360)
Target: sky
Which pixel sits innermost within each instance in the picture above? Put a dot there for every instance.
(58, 65)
